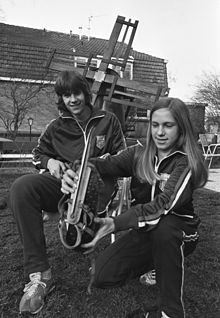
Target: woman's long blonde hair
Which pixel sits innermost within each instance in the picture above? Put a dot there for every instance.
(186, 143)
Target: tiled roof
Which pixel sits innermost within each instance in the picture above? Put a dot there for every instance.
(23, 61)
(26, 52)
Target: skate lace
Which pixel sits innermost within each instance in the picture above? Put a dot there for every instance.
(35, 281)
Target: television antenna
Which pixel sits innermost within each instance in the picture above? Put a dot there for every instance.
(90, 18)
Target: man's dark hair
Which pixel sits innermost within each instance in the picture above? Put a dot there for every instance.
(69, 82)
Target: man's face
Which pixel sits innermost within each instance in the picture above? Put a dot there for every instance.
(75, 103)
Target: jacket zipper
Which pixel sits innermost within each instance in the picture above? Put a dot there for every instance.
(84, 130)
(157, 168)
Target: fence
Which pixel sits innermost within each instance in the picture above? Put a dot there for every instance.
(16, 153)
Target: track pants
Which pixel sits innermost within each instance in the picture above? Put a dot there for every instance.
(29, 195)
(162, 249)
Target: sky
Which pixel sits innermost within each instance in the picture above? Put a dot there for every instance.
(186, 33)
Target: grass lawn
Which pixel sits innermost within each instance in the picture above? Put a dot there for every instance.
(70, 298)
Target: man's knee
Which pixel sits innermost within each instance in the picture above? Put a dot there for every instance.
(20, 185)
(17, 186)
(23, 190)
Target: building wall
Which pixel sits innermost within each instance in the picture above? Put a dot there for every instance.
(197, 113)
(43, 109)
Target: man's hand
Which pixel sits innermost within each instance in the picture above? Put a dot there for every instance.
(56, 167)
(69, 181)
(107, 226)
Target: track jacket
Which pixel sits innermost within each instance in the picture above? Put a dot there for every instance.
(64, 138)
(172, 194)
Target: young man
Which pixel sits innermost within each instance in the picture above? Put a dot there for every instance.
(60, 144)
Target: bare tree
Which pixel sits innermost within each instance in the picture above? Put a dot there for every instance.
(208, 91)
(16, 100)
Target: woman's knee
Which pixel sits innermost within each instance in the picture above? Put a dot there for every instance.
(110, 270)
(104, 276)
(103, 280)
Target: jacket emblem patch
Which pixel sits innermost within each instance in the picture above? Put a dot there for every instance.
(100, 141)
(163, 180)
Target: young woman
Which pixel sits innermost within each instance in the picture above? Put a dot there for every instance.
(162, 222)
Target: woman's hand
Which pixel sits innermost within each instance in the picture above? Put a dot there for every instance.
(56, 167)
(107, 226)
(69, 181)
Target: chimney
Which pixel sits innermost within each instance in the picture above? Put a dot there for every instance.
(80, 32)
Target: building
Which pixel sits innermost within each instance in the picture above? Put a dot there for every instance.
(25, 59)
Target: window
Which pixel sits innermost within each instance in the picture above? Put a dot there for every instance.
(80, 62)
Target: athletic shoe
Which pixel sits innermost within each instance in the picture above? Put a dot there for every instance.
(40, 285)
(148, 278)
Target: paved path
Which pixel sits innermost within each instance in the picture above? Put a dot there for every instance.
(214, 180)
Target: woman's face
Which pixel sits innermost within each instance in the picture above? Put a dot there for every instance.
(164, 131)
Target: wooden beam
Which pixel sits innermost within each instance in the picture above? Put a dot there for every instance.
(148, 88)
(129, 103)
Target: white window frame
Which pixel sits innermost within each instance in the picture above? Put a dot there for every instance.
(80, 62)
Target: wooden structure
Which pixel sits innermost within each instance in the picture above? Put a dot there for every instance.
(128, 93)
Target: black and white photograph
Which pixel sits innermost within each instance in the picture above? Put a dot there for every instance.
(110, 159)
